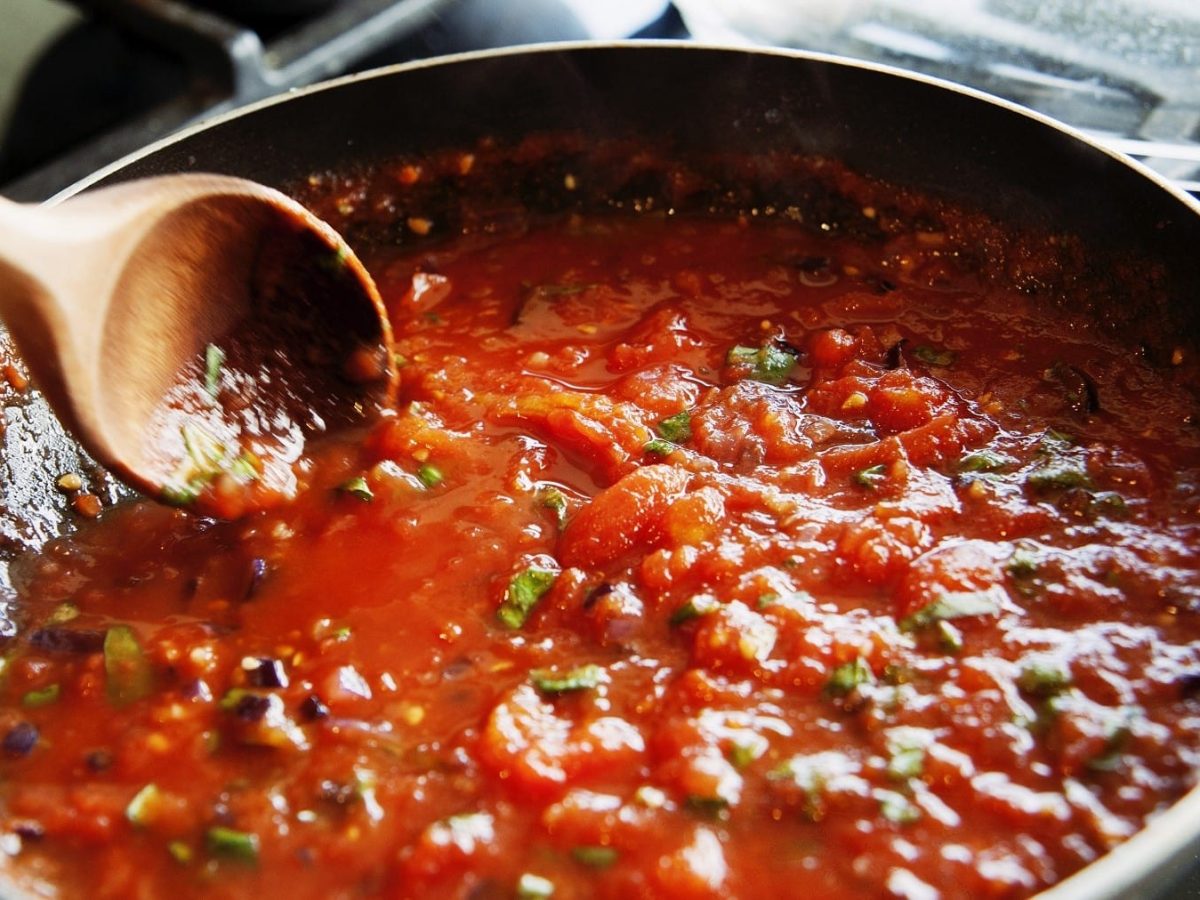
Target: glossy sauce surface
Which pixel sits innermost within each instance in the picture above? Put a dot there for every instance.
(701, 558)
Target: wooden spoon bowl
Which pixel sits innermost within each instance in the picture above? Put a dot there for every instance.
(193, 328)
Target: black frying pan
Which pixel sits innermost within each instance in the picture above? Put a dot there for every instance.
(905, 129)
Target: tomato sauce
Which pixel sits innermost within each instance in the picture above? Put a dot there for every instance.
(701, 557)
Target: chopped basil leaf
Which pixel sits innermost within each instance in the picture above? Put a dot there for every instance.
(1044, 678)
(357, 487)
(524, 592)
(955, 605)
(769, 364)
(534, 887)
(128, 671)
(659, 447)
(699, 605)
(238, 845)
(1058, 474)
(870, 477)
(984, 461)
(214, 358)
(594, 857)
(677, 428)
(584, 678)
(556, 501)
(42, 696)
(848, 676)
(933, 356)
(140, 809)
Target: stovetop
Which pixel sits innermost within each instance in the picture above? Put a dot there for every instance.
(131, 71)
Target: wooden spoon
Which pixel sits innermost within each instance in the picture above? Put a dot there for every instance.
(193, 331)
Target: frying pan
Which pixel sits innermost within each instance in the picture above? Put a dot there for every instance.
(906, 129)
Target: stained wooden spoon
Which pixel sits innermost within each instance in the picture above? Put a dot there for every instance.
(194, 332)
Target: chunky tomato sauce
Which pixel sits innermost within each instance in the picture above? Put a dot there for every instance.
(700, 558)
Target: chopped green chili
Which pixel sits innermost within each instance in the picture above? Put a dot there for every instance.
(231, 844)
(128, 670)
(42, 696)
(584, 678)
(431, 476)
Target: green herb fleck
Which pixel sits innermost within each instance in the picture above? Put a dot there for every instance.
(932, 356)
(848, 676)
(1058, 474)
(897, 808)
(956, 605)
(524, 592)
(984, 461)
(659, 447)
(699, 605)
(534, 887)
(594, 857)
(1022, 564)
(205, 459)
(677, 428)
(140, 810)
(214, 359)
(231, 844)
(742, 752)
(63, 613)
(42, 696)
(556, 501)
(769, 364)
(950, 637)
(180, 851)
(1044, 678)
(431, 476)
(870, 477)
(357, 487)
(584, 678)
(128, 671)
(906, 762)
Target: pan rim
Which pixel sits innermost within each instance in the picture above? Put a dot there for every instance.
(1170, 840)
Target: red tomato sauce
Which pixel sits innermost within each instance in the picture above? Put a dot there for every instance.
(700, 558)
